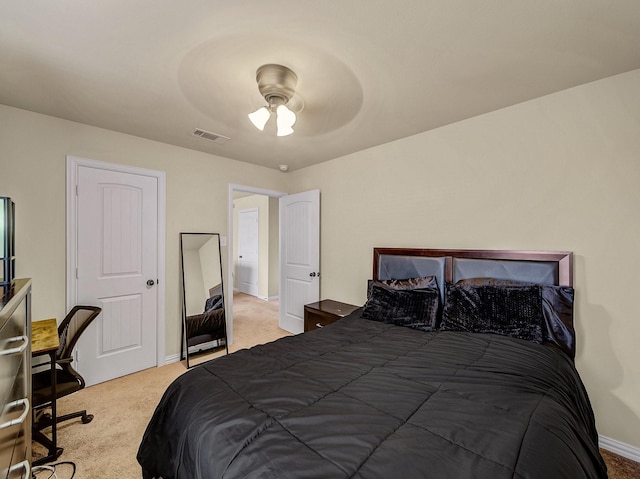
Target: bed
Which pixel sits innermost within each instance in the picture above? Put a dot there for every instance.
(459, 364)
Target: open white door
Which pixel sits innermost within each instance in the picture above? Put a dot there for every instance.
(299, 257)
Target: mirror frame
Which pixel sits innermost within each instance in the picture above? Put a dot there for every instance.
(184, 347)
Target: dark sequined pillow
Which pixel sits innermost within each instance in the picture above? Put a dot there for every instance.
(414, 308)
(404, 284)
(557, 310)
(514, 311)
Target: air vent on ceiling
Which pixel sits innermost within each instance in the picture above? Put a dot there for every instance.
(207, 135)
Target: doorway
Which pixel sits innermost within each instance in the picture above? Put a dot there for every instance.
(298, 240)
(261, 206)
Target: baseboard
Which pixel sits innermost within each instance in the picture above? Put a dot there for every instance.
(273, 298)
(174, 358)
(620, 448)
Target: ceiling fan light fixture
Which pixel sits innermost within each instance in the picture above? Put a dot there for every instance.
(285, 119)
(260, 117)
(277, 84)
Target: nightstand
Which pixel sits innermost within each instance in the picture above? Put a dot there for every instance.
(327, 311)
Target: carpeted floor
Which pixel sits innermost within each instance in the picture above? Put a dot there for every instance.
(106, 447)
(255, 321)
(620, 467)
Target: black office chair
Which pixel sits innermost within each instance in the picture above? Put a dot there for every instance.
(67, 379)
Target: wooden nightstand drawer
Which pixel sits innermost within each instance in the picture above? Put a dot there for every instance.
(327, 311)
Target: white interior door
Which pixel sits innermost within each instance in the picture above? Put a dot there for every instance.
(299, 257)
(117, 269)
(248, 251)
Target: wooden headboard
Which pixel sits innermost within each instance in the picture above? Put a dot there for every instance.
(451, 265)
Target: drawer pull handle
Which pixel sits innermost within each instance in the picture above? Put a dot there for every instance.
(318, 325)
(19, 420)
(21, 465)
(18, 349)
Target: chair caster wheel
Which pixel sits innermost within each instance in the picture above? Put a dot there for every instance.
(87, 418)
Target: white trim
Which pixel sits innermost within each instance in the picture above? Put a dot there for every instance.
(174, 358)
(73, 164)
(619, 447)
(229, 299)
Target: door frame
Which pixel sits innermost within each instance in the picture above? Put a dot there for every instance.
(229, 291)
(73, 165)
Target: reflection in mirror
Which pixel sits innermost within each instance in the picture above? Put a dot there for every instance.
(203, 310)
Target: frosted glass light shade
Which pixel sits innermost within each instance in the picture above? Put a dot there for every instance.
(260, 117)
(285, 120)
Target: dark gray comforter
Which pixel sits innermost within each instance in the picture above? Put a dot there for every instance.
(370, 400)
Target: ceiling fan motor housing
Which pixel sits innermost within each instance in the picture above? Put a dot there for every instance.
(277, 83)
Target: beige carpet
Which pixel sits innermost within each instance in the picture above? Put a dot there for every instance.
(107, 447)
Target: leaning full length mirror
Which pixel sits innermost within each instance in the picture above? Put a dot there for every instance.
(203, 310)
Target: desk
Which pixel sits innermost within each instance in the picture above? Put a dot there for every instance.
(44, 340)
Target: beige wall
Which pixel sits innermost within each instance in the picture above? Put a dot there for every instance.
(211, 271)
(193, 282)
(558, 173)
(33, 148)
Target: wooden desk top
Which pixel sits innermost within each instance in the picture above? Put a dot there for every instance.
(44, 336)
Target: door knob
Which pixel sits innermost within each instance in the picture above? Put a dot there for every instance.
(150, 282)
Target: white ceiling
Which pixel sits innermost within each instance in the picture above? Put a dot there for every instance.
(369, 71)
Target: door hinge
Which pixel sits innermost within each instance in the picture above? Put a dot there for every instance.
(76, 273)
(76, 190)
